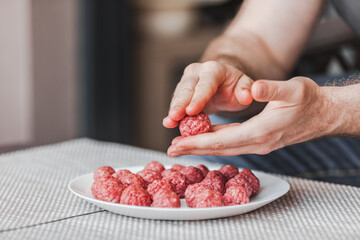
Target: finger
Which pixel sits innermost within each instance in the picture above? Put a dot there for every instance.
(242, 90)
(169, 123)
(218, 127)
(214, 128)
(228, 137)
(248, 149)
(177, 139)
(266, 90)
(183, 93)
(209, 80)
(241, 137)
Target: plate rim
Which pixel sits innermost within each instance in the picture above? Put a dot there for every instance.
(158, 209)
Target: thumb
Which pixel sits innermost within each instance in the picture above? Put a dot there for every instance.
(270, 90)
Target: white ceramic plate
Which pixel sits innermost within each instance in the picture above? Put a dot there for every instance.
(271, 188)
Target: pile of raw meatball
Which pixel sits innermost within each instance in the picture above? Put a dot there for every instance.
(154, 186)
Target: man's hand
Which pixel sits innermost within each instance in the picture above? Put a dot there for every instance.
(298, 110)
(210, 86)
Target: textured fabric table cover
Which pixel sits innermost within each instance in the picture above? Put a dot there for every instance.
(36, 204)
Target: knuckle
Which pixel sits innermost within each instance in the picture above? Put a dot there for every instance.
(305, 87)
(275, 93)
(218, 145)
(206, 84)
(190, 68)
(211, 65)
(245, 80)
(265, 150)
(217, 148)
(187, 88)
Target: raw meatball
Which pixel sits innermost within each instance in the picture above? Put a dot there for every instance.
(167, 172)
(135, 195)
(166, 198)
(177, 167)
(156, 185)
(103, 173)
(235, 195)
(229, 171)
(240, 181)
(179, 181)
(216, 174)
(252, 179)
(191, 192)
(109, 190)
(149, 175)
(120, 174)
(155, 166)
(193, 174)
(203, 169)
(214, 184)
(133, 179)
(194, 125)
(207, 198)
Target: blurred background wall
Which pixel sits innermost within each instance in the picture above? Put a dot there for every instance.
(38, 72)
(107, 69)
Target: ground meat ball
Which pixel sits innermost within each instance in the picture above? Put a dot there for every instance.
(214, 184)
(193, 174)
(229, 171)
(235, 195)
(207, 198)
(252, 179)
(149, 175)
(194, 125)
(216, 174)
(166, 198)
(133, 179)
(103, 173)
(240, 181)
(135, 195)
(156, 185)
(191, 191)
(203, 169)
(155, 166)
(177, 167)
(120, 174)
(179, 181)
(167, 172)
(109, 190)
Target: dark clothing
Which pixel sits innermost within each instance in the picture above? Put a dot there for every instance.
(349, 10)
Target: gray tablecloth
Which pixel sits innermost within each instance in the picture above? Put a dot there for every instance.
(36, 204)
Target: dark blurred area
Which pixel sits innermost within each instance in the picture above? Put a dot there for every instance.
(107, 69)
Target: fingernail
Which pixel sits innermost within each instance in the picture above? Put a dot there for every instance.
(261, 90)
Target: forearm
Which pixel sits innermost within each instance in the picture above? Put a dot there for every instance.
(266, 37)
(343, 110)
(246, 52)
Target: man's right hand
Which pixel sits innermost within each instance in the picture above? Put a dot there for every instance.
(211, 87)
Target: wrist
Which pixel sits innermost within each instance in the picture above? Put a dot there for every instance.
(342, 111)
(330, 114)
(247, 52)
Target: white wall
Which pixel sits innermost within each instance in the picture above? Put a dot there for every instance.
(38, 72)
(15, 73)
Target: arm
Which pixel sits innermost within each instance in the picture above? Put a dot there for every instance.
(266, 37)
(263, 41)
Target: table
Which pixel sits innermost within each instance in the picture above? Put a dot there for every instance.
(36, 204)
